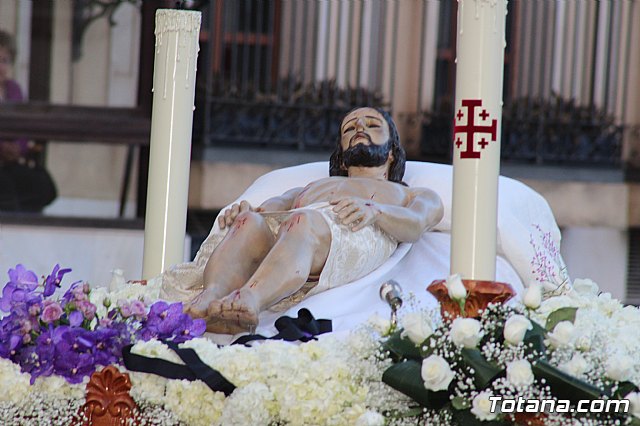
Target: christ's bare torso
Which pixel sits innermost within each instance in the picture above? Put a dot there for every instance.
(338, 187)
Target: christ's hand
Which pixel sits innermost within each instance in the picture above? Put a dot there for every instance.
(355, 212)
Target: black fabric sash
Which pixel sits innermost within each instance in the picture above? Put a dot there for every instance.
(303, 328)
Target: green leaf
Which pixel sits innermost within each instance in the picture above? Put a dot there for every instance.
(534, 343)
(563, 385)
(402, 347)
(624, 388)
(562, 314)
(484, 371)
(406, 377)
(460, 403)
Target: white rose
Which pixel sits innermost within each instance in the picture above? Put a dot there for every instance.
(519, 373)
(576, 366)
(515, 328)
(562, 335)
(436, 373)
(481, 407)
(634, 401)
(380, 324)
(585, 286)
(466, 332)
(533, 296)
(455, 287)
(370, 418)
(417, 327)
(619, 367)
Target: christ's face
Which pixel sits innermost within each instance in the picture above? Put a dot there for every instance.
(365, 139)
(363, 126)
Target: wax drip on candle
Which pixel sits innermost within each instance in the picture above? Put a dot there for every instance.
(186, 77)
(175, 62)
(460, 20)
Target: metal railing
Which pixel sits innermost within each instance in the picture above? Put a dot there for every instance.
(280, 73)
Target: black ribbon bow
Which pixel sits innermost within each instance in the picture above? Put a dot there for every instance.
(303, 328)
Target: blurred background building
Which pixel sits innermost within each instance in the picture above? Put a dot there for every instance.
(274, 78)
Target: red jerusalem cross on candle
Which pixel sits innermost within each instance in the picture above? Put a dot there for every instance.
(471, 128)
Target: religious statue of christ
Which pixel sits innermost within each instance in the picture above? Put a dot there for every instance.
(329, 233)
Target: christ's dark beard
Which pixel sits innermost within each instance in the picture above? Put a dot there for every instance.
(362, 155)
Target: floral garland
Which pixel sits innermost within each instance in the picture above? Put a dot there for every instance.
(425, 371)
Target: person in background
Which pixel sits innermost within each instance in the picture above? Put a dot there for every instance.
(24, 186)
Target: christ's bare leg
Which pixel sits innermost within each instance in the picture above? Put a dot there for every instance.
(234, 260)
(301, 249)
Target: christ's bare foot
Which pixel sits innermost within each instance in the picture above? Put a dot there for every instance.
(199, 305)
(235, 313)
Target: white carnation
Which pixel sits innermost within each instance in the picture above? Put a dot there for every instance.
(576, 366)
(515, 328)
(481, 407)
(370, 418)
(585, 287)
(519, 373)
(608, 305)
(417, 326)
(14, 386)
(194, 403)
(436, 373)
(619, 367)
(249, 405)
(466, 332)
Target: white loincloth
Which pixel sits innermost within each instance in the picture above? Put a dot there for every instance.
(352, 255)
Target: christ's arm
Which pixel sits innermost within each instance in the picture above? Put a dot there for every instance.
(422, 211)
(279, 203)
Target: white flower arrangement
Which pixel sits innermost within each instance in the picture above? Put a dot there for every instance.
(576, 344)
(457, 366)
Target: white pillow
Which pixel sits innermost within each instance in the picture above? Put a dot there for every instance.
(520, 208)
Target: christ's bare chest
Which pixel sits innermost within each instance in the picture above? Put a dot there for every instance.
(335, 188)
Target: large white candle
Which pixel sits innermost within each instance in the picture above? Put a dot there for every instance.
(176, 52)
(476, 147)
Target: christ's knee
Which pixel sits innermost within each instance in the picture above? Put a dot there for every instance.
(248, 222)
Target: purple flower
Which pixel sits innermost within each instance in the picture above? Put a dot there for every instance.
(189, 328)
(51, 311)
(74, 293)
(22, 283)
(73, 366)
(75, 318)
(162, 321)
(53, 280)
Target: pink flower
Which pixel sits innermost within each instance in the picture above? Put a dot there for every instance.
(51, 311)
(87, 308)
(105, 322)
(125, 308)
(79, 294)
(138, 309)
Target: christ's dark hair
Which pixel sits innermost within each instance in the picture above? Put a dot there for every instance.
(396, 168)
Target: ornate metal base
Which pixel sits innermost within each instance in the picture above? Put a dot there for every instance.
(479, 295)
